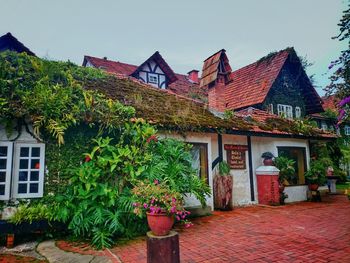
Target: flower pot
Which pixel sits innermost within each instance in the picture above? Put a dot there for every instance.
(313, 187)
(160, 224)
(268, 162)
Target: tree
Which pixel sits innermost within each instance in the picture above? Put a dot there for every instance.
(340, 80)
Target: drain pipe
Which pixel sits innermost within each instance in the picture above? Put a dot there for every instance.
(220, 157)
(251, 174)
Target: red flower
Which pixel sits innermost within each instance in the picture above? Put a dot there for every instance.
(152, 138)
(87, 158)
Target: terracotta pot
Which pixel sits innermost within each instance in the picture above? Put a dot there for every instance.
(268, 162)
(10, 240)
(313, 187)
(160, 224)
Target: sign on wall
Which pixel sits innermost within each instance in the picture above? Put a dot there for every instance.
(236, 155)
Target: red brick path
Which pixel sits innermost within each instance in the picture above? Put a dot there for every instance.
(303, 232)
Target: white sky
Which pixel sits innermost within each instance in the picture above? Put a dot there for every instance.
(184, 32)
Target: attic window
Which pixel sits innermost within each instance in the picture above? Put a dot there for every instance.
(153, 78)
(285, 110)
(297, 112)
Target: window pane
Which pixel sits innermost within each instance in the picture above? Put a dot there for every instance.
(35, 164)
(22, 188)
(34, 188)
(23, 176)
(24, 151)
(3, 151)
(2, 189)
(3, 163)
(2, 177)
(35, 152)
(23, 164)
(34, 176)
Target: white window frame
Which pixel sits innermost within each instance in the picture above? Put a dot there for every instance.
(297, 112)
(347, 130)
(155, 76)
(324, 126)
(270, 108)
(286, 110)
(16, 161)
(8, 170)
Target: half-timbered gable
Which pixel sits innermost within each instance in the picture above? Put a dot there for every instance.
(155, 71)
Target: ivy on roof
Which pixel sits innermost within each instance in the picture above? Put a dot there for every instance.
(50, 95)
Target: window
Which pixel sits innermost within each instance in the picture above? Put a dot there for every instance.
(285, 110)
(297, 112)
(153, 78)
(5, 169)
(324, 126)
(27, 173)
(199, 153)
(298, 155)
(270, 108)
(347, 130)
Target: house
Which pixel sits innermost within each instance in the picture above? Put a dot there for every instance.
(9, 42)
(276, 83)
(163, 101)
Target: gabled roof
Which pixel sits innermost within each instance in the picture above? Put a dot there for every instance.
(162, 64)
(211, 67)
(182, 86)
(110, 66)
(9, 42)
(251, 84)
(173, 112)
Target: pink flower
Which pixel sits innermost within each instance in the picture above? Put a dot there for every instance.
(87, 158)
(187, 225)
(156, 182)
(178, 218)
(145, 205)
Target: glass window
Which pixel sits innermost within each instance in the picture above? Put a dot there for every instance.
(347, 130)
(199, 153)
(153, 78)
(285, 111)
(297, 112)
(5, 169)
(29, 170)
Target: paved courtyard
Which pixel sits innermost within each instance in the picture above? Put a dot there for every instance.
(303, 232)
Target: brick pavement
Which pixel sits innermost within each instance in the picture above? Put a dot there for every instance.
(303, 232)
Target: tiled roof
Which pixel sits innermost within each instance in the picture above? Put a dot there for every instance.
(182, 86)
(251, 83)
(211, 67)
(9, 42)
(330, 103)
(170, 111)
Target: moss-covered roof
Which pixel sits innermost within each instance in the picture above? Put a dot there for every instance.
(173, 112)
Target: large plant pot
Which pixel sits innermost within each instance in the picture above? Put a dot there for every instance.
(223, 192)
(268, 162)
(160, 224)
(313, 187)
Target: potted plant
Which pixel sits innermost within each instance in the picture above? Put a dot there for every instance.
(316, 175)
(223, 183)
(160, 204)
(268, 158)
(287, 171)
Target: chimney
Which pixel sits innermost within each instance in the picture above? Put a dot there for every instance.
(105, 58)
(193, 75)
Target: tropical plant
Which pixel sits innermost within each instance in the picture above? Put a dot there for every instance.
(287, 170)
(29, 213)
(317, 171)
(171, 163)
(224, 168)
(156, 198)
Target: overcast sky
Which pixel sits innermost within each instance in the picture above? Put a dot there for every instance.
(185, 32)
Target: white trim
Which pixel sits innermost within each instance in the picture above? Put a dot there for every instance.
(297, 112)
(347, 130)
(287, 110)
(8, 169)
(16, 170)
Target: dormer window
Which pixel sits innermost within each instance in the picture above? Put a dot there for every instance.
(285, 110)
(153, 78)
(297, 112)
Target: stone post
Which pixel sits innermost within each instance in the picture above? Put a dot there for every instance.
(268, 185)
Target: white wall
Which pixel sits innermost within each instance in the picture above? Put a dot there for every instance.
(265, 144)
(191, 201)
